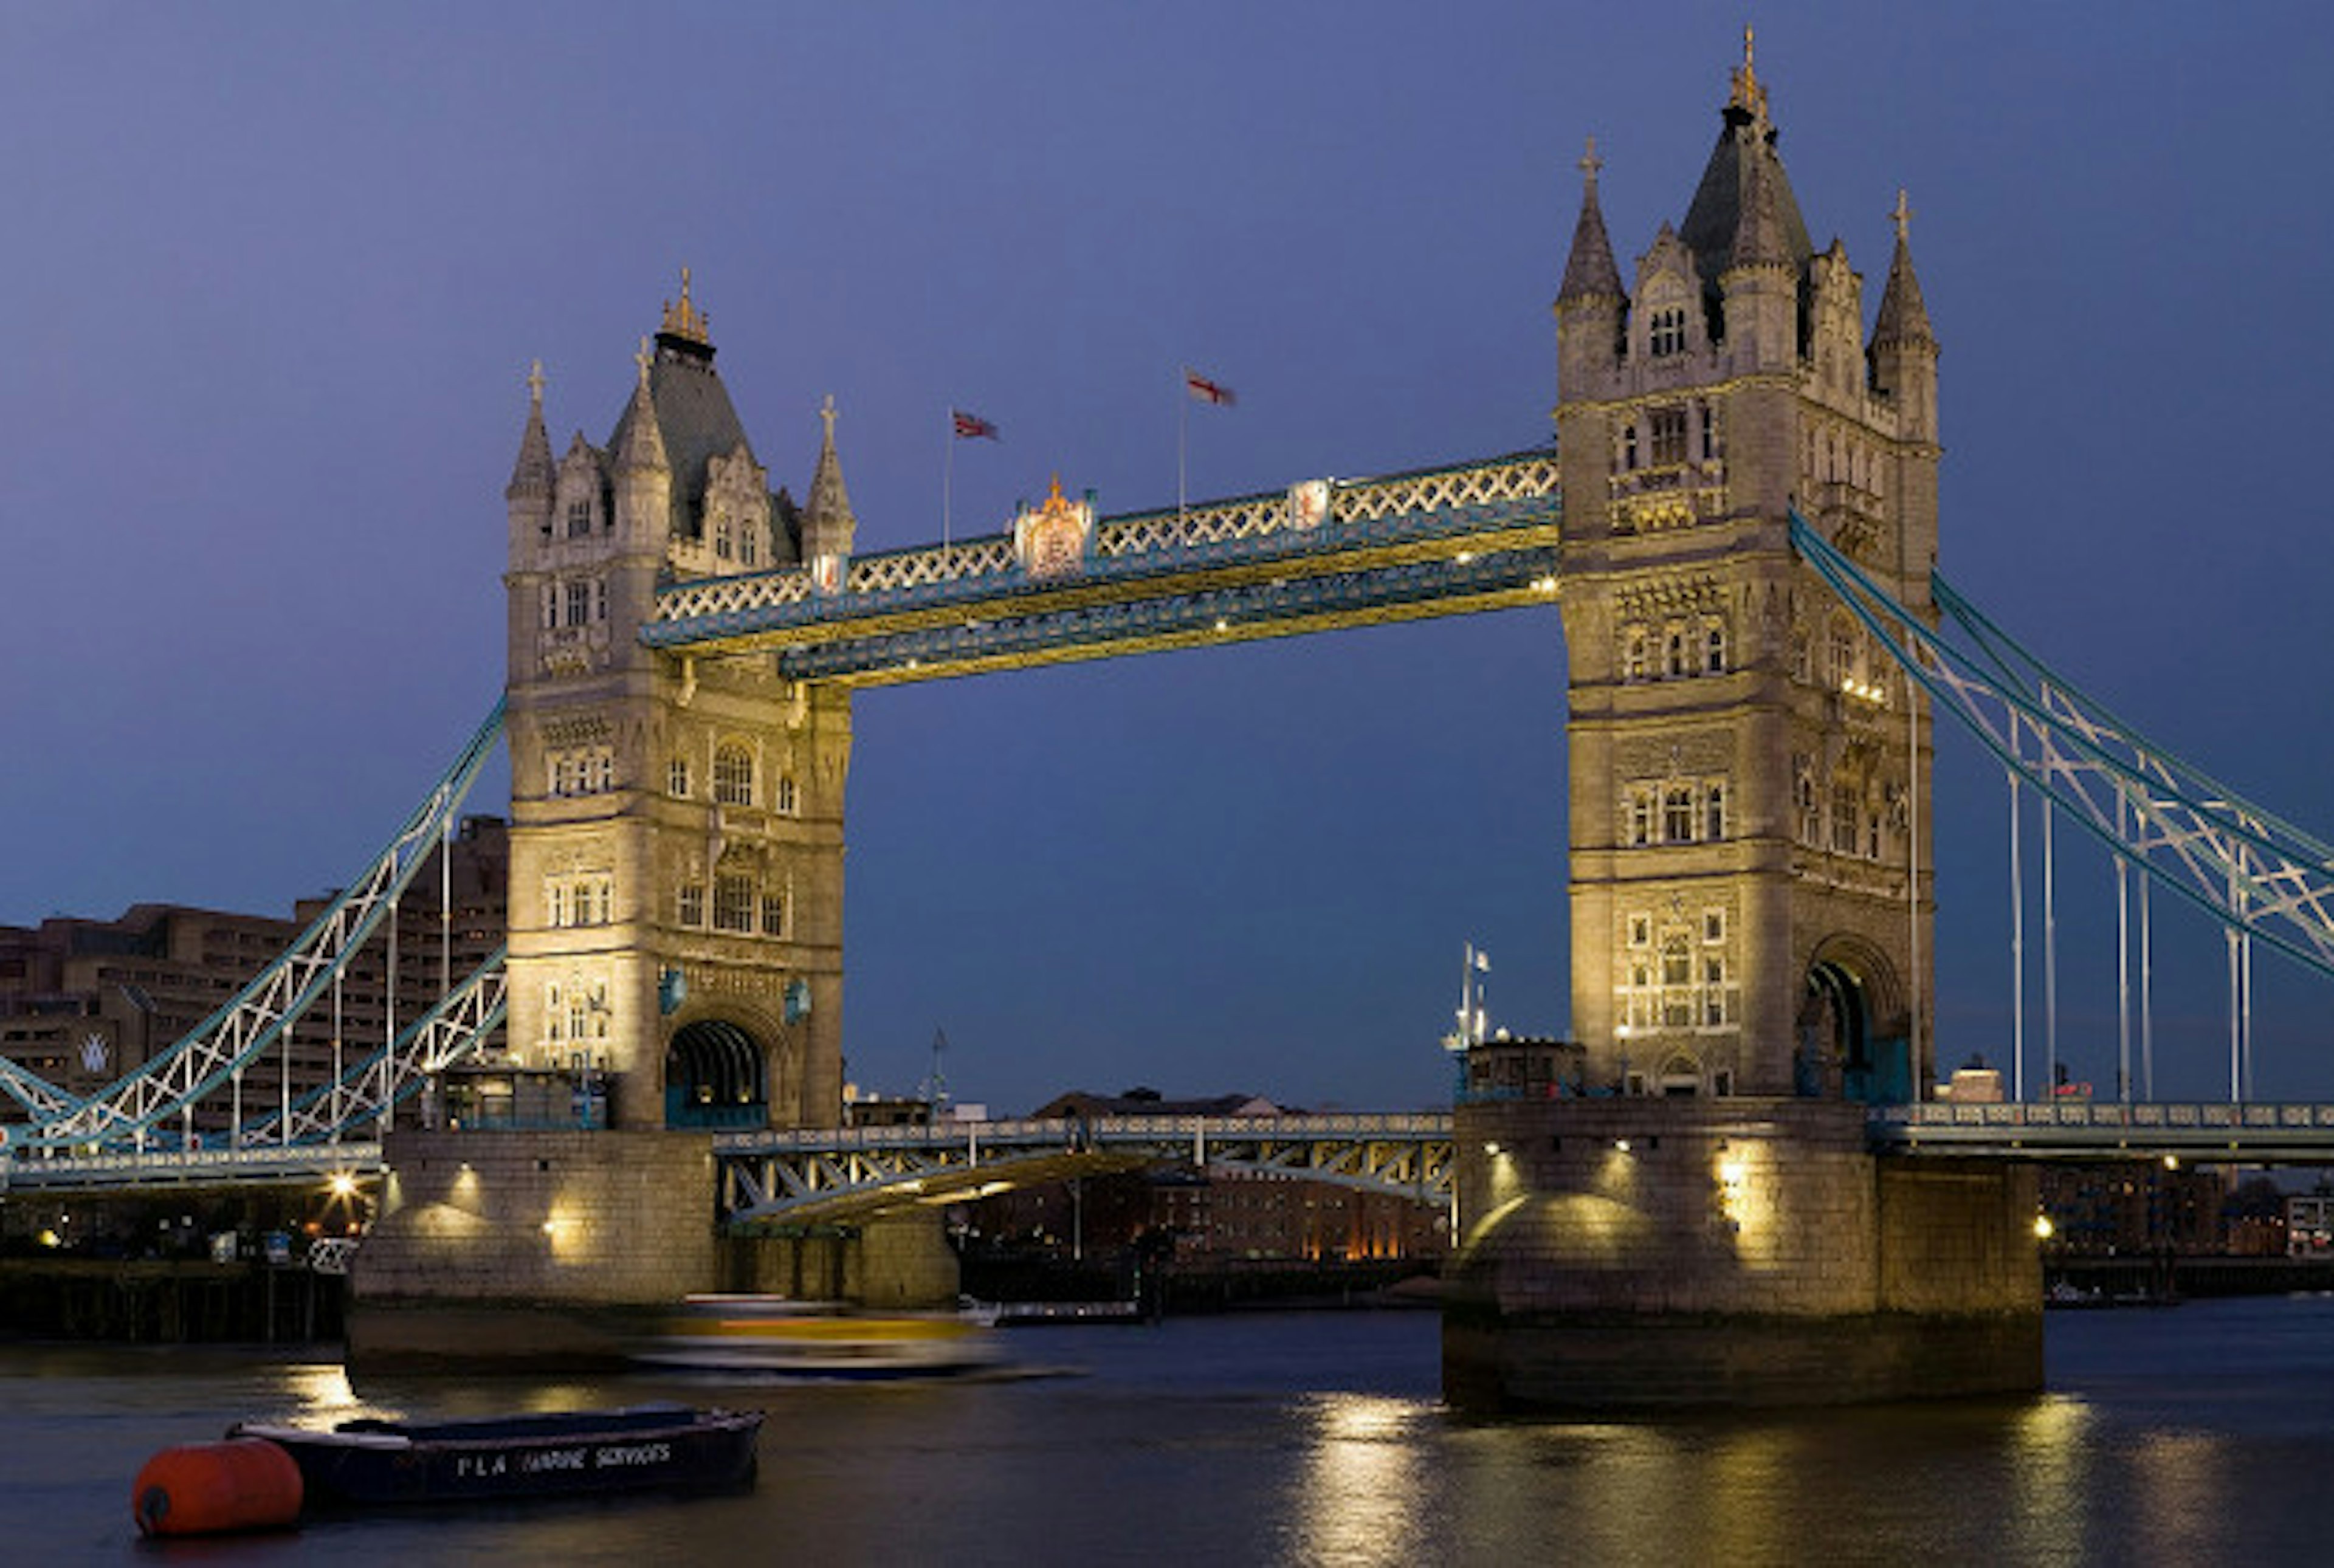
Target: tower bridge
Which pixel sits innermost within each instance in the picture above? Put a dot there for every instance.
(1738, 521)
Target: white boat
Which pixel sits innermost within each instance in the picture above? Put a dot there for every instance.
(816, 1339)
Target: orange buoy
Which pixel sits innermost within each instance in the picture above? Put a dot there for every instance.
(201, 1488)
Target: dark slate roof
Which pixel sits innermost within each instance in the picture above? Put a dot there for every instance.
(1716, 213)
(694, 421)
(1903, 316)
(1589, 271)
(1759, 236)
(532, 475)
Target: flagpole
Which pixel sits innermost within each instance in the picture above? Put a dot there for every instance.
(948, 482)
(1182, 427)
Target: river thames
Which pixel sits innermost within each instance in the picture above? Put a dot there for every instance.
(2202, 1434)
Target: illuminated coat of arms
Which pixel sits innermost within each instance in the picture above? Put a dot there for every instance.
(826, 574)
(1051, 539)
(1309, 506)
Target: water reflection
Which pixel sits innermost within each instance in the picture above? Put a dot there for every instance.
(2180, 1487)
(1359, 1491)
(2049, 1458)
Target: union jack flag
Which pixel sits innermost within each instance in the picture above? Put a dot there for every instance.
(971, 426)
(1207, 391)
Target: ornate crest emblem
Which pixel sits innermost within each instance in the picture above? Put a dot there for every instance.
(1051, 539)
(1309, 506)
(826, 574)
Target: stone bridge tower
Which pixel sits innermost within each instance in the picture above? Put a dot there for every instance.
(1752, 898)
(675, 894)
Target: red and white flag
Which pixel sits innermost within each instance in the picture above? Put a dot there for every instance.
(1206, 391)
(971, 426)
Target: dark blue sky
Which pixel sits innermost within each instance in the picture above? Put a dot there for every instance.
(275, 272)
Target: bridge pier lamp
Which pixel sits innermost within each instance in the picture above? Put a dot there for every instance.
(2043, 1229)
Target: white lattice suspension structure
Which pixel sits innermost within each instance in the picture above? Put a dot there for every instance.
(2256, 874)
(221, 1048)
(368, 1093)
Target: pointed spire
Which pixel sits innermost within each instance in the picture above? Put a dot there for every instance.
(638, 444)
(1903, 316)
(532, 475)
(1759, 239)
(1589, 271)
(828, 515)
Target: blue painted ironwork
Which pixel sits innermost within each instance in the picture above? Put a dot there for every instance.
(2254, 1133)
(1248, 611)
(129, 1111)
(2246, 868)
(1390, 548)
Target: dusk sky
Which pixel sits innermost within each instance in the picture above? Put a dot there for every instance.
(277, 273)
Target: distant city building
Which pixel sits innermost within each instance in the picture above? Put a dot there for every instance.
(2134, 1207)
(2309, 1224)
(84, 1001)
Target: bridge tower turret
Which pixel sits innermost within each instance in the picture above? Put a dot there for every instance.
(677, 824)
(1750, 886)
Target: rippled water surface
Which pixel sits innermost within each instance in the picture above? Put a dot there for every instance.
(2202, 1434)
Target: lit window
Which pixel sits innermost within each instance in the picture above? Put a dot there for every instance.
(733, 776)
(733, 904)
(1843, 818)
(1668, 428)
(1677, 984)
(1677, 816)
(1667, 332)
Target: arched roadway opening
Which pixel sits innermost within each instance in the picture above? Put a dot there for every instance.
(714, 1077)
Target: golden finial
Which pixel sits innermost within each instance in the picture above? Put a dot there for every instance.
(684, 320)
(1054, 500)
(1590, 163)
(1748, 94)
(1901, 212)
(535, 384)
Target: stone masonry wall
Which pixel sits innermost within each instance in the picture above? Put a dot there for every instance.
(567, 1218)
